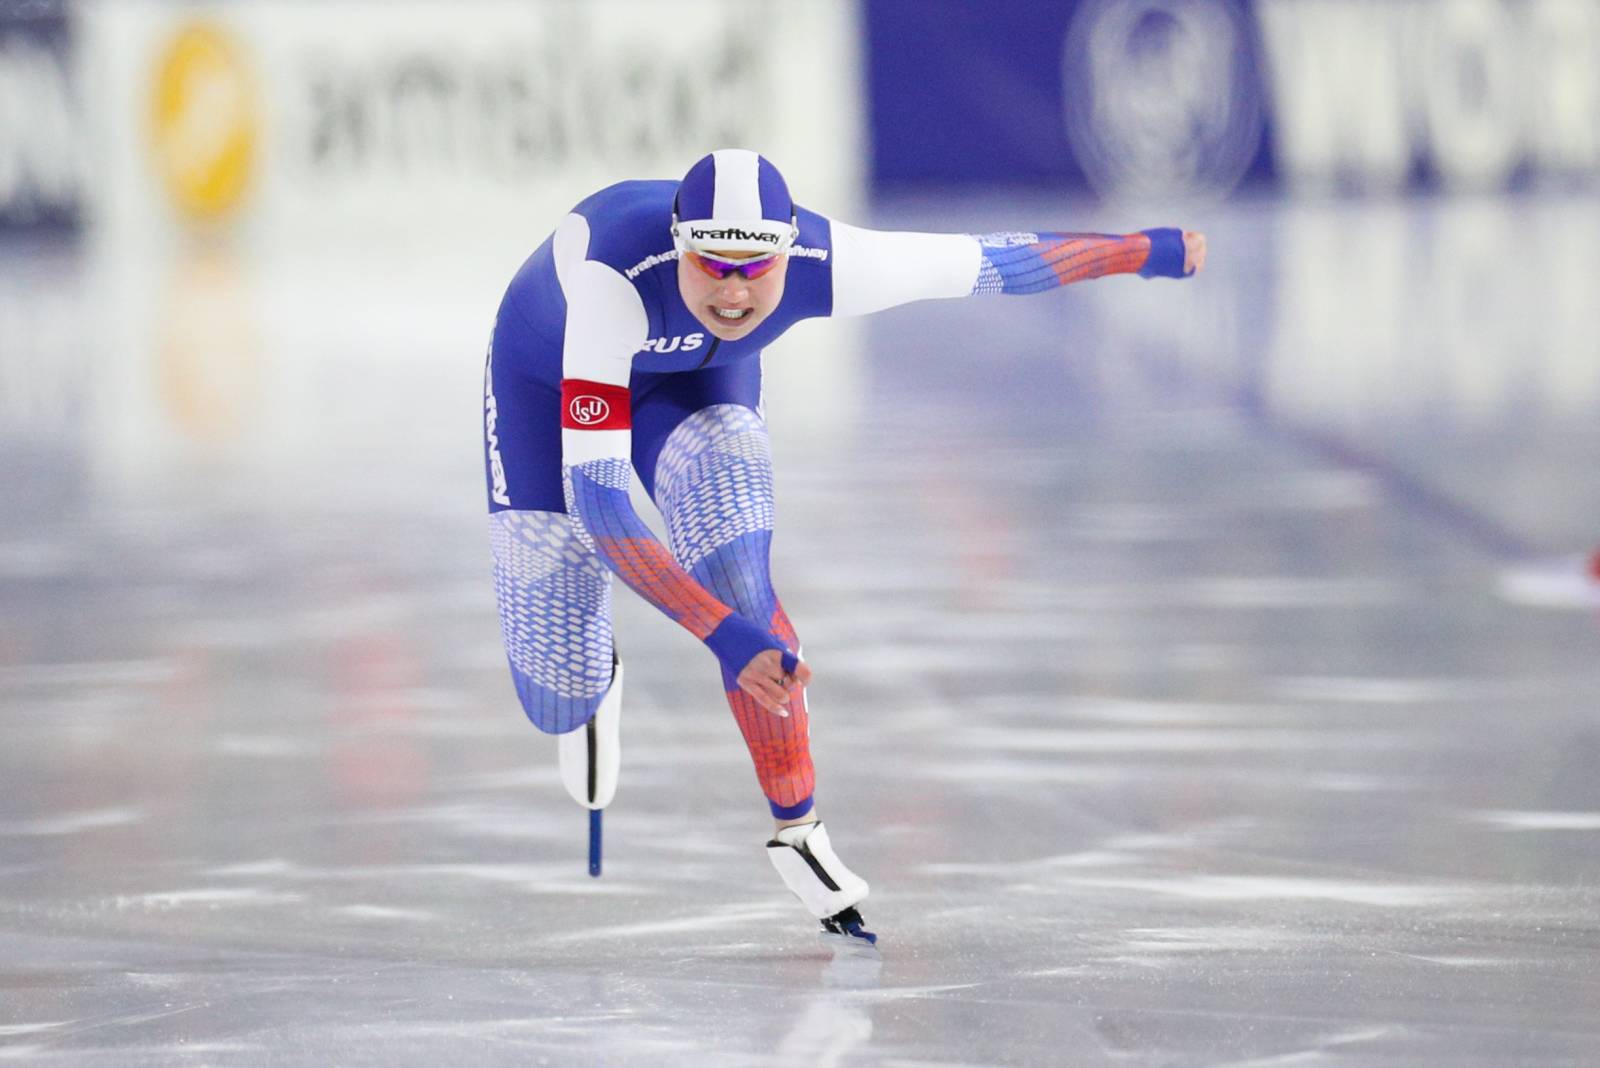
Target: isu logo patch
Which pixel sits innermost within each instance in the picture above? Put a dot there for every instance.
(593, 405)
(587, 410)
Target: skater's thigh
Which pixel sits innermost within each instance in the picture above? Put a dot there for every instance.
(663, 402)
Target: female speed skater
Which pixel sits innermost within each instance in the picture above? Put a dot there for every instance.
(630, 341)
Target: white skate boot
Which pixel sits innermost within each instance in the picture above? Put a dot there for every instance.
(809, 867)
(591, 756)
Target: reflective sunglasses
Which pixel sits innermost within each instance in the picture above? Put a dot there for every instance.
(719, 268)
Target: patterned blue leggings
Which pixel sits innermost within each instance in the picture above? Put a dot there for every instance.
(713, 484)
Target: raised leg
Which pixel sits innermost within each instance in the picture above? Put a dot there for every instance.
(555, 617)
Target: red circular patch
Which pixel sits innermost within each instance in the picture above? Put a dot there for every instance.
(587, 410)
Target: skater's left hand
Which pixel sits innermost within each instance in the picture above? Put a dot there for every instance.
(1194, 251)
(764, 679)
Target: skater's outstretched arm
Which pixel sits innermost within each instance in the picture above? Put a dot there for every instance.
(877, 269)
(606, 325)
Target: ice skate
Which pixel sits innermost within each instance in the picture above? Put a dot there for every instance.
(844, 929)
(806, 862)
(591, 756)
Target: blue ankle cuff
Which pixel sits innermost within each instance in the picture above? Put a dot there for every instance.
(790, 812)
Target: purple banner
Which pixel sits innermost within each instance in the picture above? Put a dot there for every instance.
(1173, 98)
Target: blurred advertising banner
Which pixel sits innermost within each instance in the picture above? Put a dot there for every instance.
(305, 214)
(41, 122)
(393, 122)
(1169, 98)
(43, 379)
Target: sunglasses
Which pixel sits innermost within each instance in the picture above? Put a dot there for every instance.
(720, 268)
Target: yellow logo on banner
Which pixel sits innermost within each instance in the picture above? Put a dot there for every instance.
(205, 122)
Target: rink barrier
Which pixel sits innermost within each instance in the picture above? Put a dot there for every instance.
(1174, 98)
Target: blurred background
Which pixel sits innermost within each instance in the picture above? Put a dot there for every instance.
(257, 246)
(250, 253)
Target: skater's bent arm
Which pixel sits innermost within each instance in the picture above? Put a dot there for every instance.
(605, 326)
(878, 269)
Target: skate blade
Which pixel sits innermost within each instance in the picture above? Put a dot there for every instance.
(849, 945)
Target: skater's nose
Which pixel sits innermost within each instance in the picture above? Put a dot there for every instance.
(734, 288)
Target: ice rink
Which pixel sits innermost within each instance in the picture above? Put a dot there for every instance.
(1205, 673)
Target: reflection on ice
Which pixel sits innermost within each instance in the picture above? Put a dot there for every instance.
(1541, 821)
(1269, 888)
(384, 914)
(210, 897)
(826, 1033)
(73, 823)
(1567, 583)
(720, 918)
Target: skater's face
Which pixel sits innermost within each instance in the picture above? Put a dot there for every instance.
(732, 306)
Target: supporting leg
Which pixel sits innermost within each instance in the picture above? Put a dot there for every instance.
(713, 482)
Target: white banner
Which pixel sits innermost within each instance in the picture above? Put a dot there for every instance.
(398, 123)
(305, 214)
(1479, 92)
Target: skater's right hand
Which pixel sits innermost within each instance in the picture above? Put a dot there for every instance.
(764, 679)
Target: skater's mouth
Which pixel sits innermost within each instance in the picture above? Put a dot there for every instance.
(731, 315)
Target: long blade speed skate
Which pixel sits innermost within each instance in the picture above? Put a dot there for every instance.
(809, 867)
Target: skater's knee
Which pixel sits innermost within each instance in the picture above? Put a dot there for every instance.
(552, 712)
(717, 491)
(737, 571)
